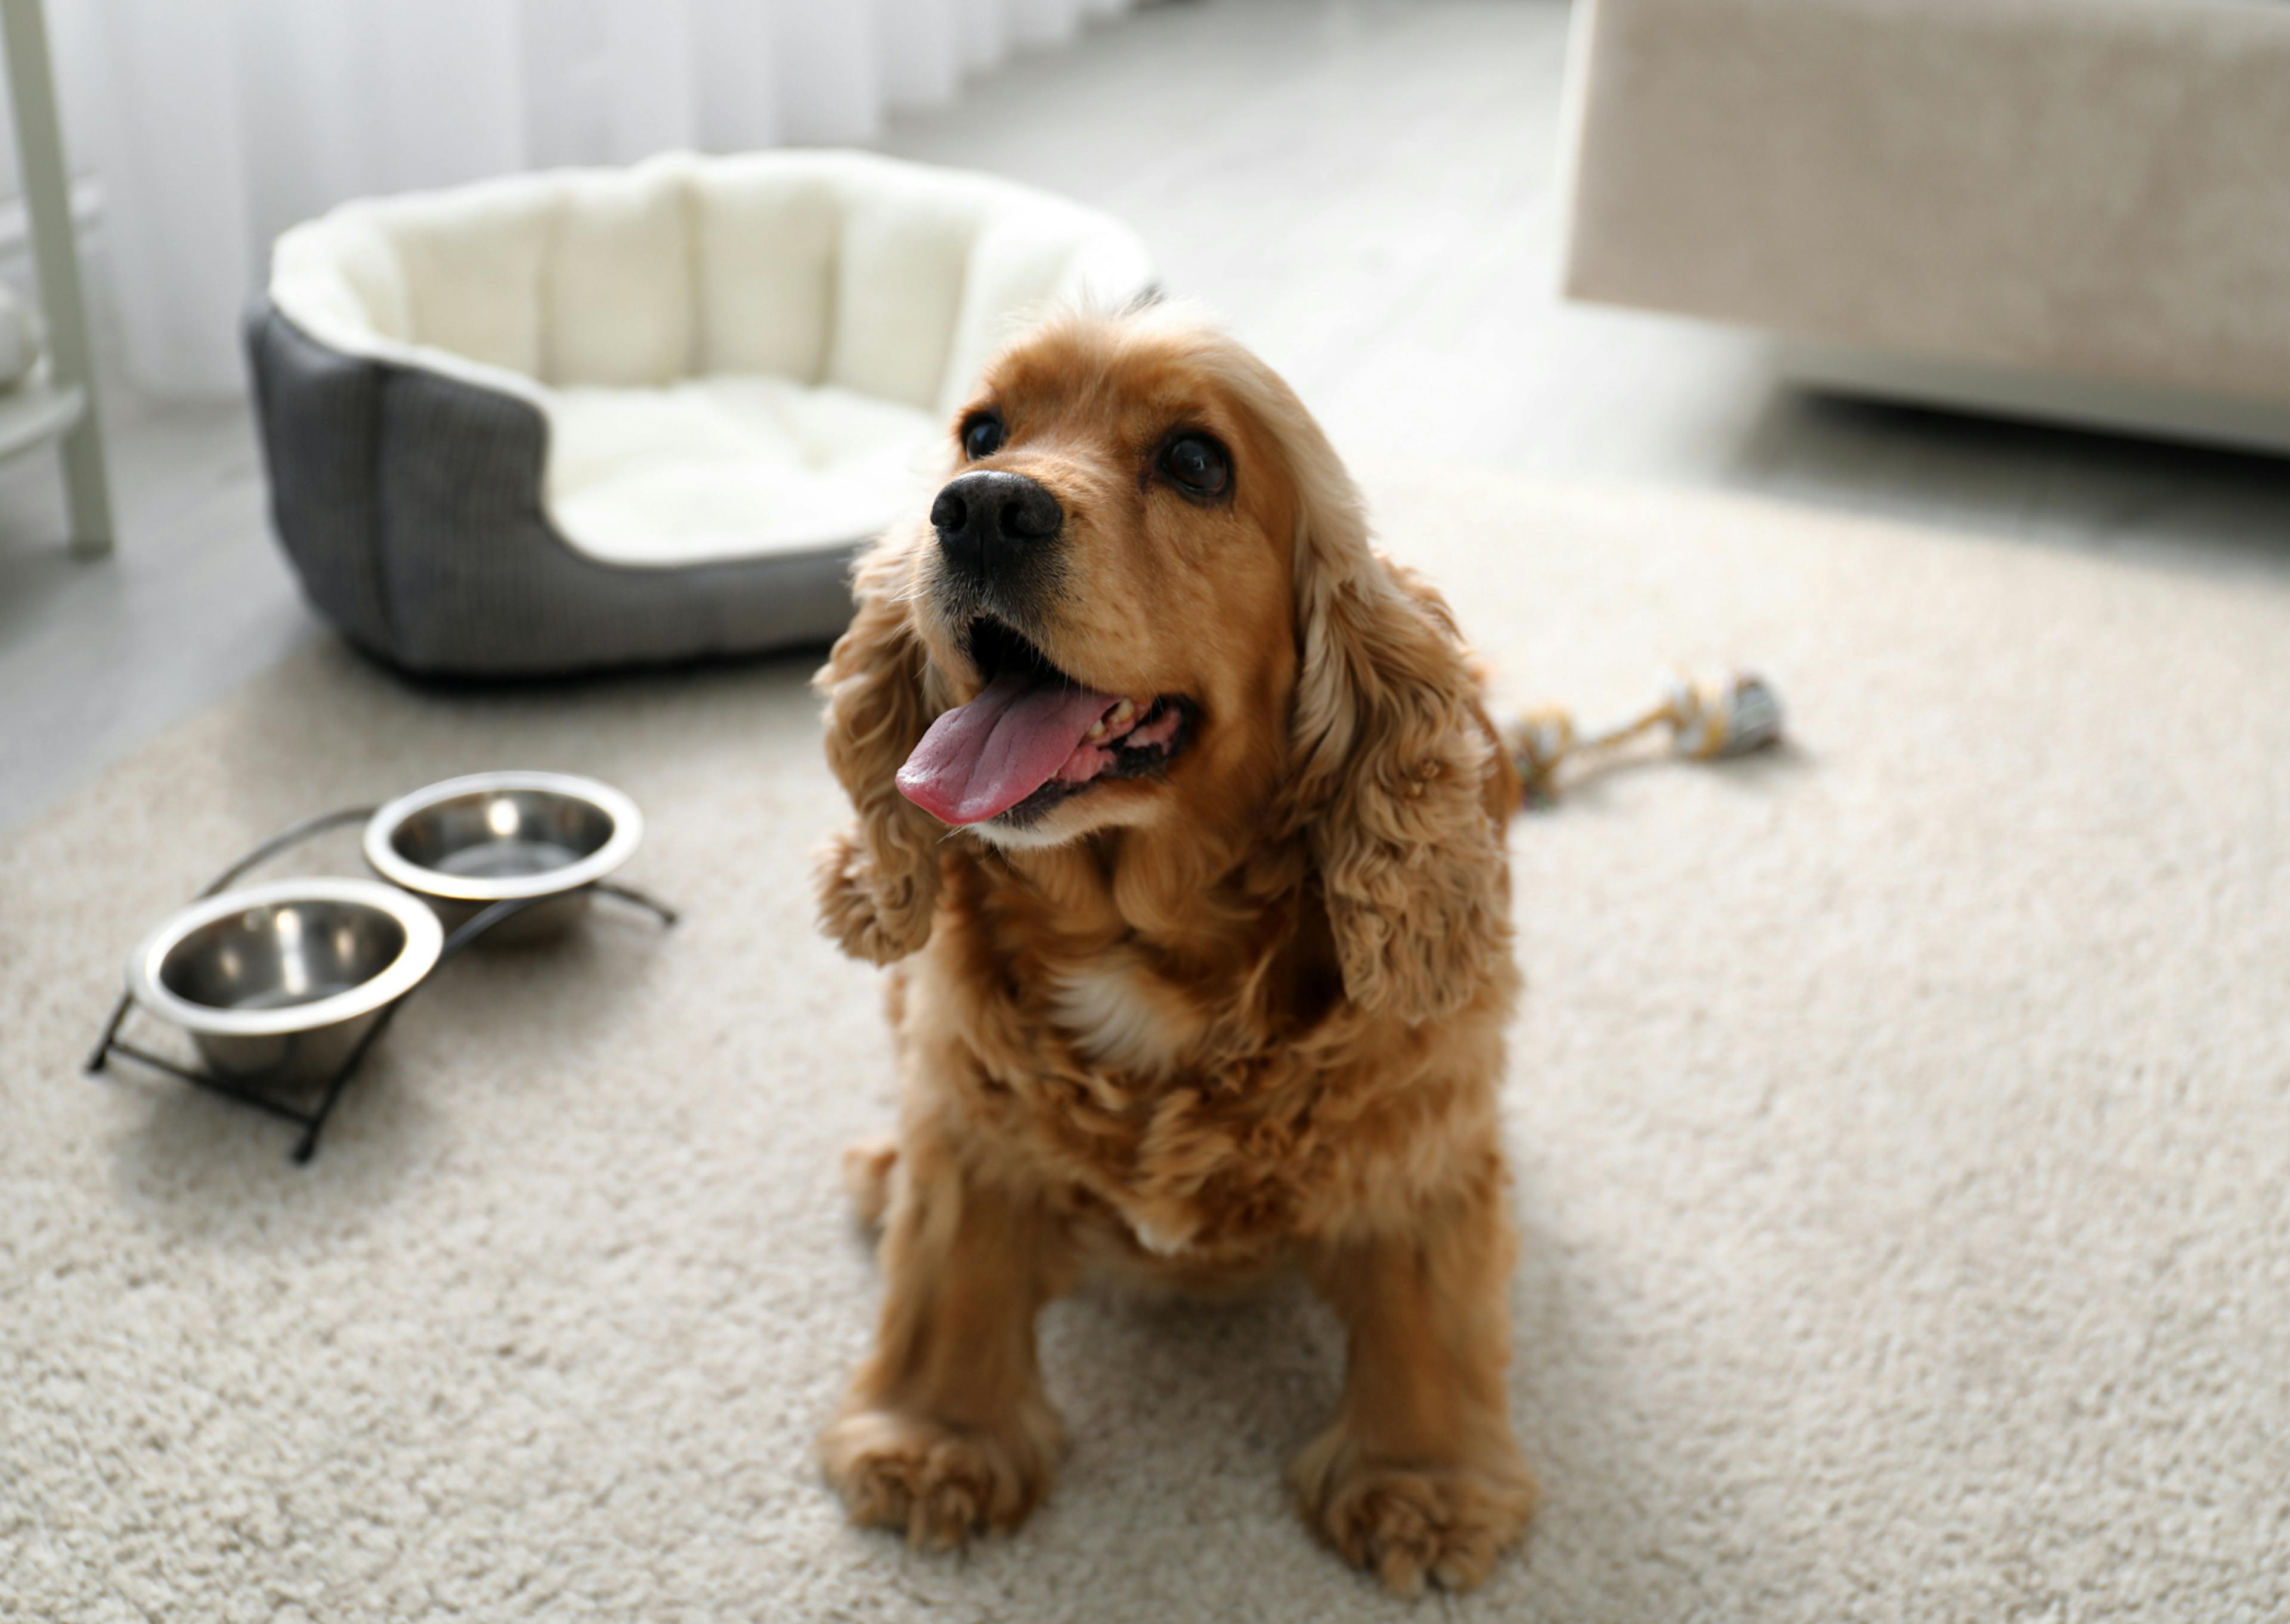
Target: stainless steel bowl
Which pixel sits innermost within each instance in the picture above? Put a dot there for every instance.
(277, 982)
(468, 843)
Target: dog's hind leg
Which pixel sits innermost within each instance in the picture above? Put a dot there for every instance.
(868, 1167)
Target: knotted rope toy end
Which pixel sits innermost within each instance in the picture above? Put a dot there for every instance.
(1707, 721)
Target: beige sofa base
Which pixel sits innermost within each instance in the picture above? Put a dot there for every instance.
(2105, 404)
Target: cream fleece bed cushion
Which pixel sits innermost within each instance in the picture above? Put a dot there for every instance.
(735, 357)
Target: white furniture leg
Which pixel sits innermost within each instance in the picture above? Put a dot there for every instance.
(55, 257)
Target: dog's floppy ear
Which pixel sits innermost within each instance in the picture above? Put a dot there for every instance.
(1391, 764)
(877, 881)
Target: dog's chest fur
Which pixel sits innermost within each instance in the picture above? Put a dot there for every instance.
(1138, 1030)
(1120, 1014)
(1132, 1092)
(1160, 1082)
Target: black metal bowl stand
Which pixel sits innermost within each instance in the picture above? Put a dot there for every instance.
(312, 1120)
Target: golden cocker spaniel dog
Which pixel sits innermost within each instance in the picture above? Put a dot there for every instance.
(1181, 818)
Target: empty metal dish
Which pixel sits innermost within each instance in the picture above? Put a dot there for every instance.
(278, 982)
(468, 843)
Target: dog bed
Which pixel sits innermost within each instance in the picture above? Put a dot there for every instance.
(599, 418)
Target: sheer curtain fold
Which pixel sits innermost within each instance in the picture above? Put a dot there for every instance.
(214, 124)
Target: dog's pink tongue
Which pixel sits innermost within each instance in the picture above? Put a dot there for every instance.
(981, 759)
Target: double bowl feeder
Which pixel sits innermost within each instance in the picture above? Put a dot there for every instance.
(284, 987)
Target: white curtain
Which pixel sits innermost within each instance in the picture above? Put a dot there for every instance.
(214, 124)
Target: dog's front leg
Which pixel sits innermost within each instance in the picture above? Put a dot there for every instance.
(1418, 1475)
(947, 1428)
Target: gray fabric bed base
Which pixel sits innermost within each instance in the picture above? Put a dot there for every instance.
(409, 503)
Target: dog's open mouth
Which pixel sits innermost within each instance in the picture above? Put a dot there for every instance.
(1034, 736)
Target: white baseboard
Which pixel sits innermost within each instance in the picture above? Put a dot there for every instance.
(2245, 423)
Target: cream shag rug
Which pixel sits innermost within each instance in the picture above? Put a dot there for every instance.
(1902, 1130)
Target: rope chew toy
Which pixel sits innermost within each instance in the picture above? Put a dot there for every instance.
(1707, 721)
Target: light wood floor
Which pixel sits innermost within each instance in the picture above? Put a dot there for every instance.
(1366, 188)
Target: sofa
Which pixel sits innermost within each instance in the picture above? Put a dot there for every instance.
(2068, 209)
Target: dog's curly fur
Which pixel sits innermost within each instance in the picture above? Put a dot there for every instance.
(1197, 1026)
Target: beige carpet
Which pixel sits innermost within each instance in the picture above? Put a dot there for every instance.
(1903, 1126)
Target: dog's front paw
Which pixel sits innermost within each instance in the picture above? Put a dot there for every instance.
(1408, 1522)
(940, 1483)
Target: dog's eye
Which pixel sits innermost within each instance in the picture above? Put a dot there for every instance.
(1197, 463)
(983, 435)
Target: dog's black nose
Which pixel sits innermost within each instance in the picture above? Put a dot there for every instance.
(987, 519)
